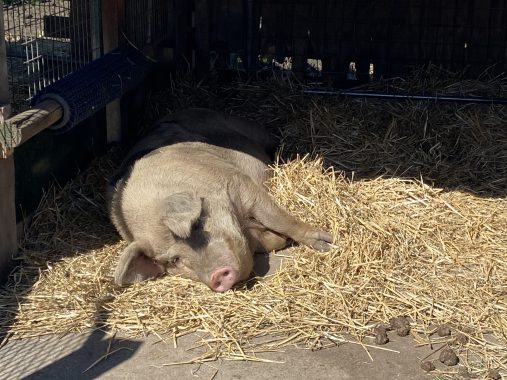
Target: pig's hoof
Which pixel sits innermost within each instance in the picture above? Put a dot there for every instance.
(321, 246)
(321, 241)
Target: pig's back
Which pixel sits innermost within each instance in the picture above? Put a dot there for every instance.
(198, 164)
(204, 169)
(243, 143)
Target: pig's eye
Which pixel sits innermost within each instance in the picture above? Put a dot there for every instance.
(197, 225)
(175, 260)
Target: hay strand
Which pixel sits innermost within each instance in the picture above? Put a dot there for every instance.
(414, 192)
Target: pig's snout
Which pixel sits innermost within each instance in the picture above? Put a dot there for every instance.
(223, 279)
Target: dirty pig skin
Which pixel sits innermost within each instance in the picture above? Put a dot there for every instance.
(190, 201)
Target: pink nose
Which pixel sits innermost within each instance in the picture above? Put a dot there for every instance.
(223, 279)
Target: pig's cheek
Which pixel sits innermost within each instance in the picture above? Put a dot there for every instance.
(183, 271)
(172, 271)
(246, 268)
(190, 269)
(244, 257)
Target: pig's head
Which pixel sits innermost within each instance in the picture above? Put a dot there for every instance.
(190, 238)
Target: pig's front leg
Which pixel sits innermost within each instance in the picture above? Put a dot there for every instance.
(256, 203)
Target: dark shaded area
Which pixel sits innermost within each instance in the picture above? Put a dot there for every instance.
(71, 220)
(74, 364)
(448, 145)
(391, 35)
(50, 157)
(261, 267)
(96, 356)
(261, 264)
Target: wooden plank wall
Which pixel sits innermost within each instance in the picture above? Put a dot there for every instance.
(393, 35)
(221, 27)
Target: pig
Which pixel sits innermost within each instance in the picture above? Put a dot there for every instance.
(190, 200)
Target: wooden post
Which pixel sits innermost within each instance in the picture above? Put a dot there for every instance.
(201, 21)
(8, 236)
(95, 36)
(112, 14)
(23, 126)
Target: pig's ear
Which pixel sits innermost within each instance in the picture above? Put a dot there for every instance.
(136, 264)
(182, 211)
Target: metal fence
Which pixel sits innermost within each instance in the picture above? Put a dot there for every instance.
(335, 42)
(49, 39)
(340, 40)
(146, 21)
(45, 41)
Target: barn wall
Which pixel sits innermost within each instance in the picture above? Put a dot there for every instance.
(393, 35)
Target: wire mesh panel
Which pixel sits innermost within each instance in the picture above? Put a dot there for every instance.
(47, 40)
(356, 39)
(223, 34)
(162, 29)
(147, 21)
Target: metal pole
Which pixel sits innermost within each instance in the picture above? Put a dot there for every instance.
(380, 95)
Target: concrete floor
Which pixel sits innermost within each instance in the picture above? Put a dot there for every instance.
(68, 357)
(52, 357)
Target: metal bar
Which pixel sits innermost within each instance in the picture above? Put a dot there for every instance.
(36, 57)
(380, 95)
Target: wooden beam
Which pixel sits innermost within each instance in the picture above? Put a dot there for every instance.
(20, 128)
(112, 17)
(4, 74)
(8, 236)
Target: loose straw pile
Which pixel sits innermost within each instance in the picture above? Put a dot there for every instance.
(414, 192)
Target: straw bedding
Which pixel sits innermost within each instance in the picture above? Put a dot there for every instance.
(414, 192)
